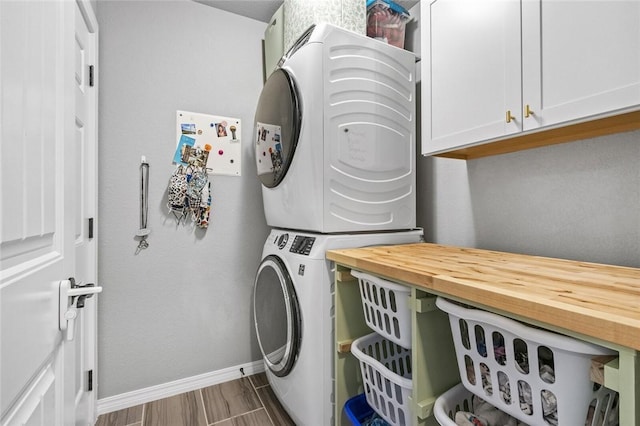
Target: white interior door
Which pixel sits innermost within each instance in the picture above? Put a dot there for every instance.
(83, 360)
(39, 198)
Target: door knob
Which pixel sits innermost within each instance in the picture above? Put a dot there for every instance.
(72, 297)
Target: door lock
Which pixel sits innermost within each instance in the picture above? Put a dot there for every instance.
(71, 298)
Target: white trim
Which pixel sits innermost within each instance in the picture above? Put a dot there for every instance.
(89, 15)
(165, 390)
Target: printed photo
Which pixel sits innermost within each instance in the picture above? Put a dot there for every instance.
(221, 129)
(182, 143)
(188, 128)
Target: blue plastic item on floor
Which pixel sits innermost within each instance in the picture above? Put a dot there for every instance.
(361, 414)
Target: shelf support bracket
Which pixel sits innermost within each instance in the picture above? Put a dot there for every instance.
(424, 304)
(423, 409)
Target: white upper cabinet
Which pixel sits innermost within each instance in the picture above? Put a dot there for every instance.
(470, 71)
(580, 59)
(493, 69)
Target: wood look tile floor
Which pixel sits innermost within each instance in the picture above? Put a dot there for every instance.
(248, 401)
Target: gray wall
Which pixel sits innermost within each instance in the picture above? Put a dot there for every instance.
(579, 201)
(181, 307)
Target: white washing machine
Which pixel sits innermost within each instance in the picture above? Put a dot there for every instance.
(335, 135)
(293, 301)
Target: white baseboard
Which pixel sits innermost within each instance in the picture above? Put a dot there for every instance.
(165, 390)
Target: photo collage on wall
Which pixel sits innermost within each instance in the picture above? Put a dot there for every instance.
(215, 138)
(205, 144)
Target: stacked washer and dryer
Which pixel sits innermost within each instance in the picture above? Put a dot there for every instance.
(335, 152)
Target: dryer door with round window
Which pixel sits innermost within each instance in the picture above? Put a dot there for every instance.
(277, 127)
(276, 315)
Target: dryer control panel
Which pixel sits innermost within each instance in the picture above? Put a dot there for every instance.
(302, 245)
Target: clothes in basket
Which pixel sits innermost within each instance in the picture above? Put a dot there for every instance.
(485, 414)
(374, 420)
(549, 401)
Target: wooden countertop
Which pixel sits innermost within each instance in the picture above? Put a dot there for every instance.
(601, 301)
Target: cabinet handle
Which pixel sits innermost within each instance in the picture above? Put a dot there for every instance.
(510, 117)
(527, 111)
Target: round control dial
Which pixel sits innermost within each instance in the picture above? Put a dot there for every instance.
(281, 241)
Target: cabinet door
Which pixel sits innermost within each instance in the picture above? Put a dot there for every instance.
(580, 59)
(273, 42)
(471, 73)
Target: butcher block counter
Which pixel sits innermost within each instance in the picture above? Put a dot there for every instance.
(594, 302)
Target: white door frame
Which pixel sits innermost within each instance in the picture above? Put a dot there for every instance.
(83, 361)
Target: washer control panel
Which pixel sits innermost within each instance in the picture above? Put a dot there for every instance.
(302, 245)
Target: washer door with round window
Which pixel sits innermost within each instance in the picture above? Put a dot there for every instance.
(277, 127)
(277, 316)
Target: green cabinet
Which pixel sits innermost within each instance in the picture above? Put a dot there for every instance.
(273, 47)
(434, 369)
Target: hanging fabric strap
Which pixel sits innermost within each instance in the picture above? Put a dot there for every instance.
(189, 191)
(177, 192)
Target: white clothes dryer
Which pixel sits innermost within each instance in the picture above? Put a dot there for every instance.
(335, 135)
(293, 316)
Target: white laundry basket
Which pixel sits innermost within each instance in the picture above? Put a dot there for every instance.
(523, 370)
(386, 307)
(386, 374)
(458, 398)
